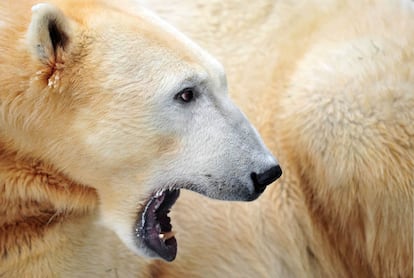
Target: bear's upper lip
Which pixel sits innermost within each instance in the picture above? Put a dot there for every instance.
(154, 228)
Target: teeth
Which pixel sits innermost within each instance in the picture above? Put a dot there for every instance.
(158, 200)
(167, 235)
(159, 193)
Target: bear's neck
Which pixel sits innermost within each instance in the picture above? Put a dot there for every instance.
(35, 200)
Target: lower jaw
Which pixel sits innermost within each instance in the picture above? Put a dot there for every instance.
(170, 251)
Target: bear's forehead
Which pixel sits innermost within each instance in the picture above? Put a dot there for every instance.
(135, 26)
(131, 40)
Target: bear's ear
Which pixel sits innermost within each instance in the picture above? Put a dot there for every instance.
(49, 33)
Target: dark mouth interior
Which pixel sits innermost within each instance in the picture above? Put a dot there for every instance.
(155, 227)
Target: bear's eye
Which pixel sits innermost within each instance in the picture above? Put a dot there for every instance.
(185, 95)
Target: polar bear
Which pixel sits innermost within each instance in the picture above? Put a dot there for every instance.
(106, 112)
(330, 86)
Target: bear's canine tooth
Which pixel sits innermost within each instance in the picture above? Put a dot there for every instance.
(167, 235)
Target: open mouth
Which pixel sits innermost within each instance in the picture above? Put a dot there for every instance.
(154, 227)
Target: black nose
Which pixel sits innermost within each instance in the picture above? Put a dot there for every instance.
(260, 181)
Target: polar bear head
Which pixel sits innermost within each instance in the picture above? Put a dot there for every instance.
(120, 101)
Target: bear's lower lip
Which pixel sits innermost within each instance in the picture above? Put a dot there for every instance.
(154, 229)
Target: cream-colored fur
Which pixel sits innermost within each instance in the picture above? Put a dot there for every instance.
(330, 86)
(92, 126)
